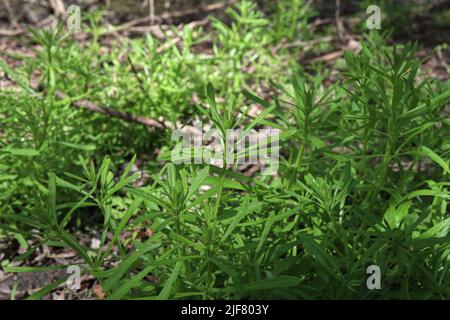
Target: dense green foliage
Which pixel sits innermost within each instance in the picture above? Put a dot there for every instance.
(363, 175)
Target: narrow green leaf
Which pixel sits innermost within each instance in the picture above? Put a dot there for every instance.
(120, 270)
(168, 286)
(126, 217)
(130, 284)
(266, 230)
(436, 158)
(46, 290)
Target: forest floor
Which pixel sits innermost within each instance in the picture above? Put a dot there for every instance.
(14, 39)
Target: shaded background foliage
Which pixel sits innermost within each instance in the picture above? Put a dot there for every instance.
(363, 176)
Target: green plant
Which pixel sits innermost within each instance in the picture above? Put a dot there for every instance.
(362, 180)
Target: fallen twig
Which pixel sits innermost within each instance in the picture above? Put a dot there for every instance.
(328, 57)
(90, 106)
(339, 24)
(134, 25)
(11, 33)
(10, 14)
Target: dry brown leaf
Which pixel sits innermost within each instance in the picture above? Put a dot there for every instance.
(97, 289)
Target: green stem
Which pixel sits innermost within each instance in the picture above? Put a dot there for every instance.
(299, 159)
